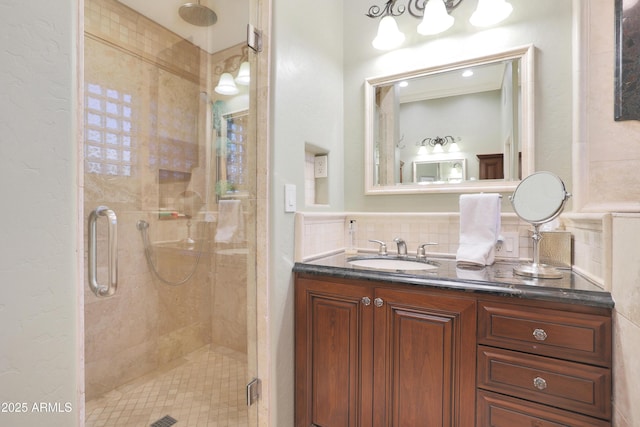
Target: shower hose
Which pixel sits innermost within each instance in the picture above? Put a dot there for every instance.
(143, 226)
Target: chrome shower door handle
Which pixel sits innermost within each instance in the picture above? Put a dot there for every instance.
(112, 257)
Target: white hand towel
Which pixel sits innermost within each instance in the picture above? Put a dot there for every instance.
(479, 229)
(230, 227)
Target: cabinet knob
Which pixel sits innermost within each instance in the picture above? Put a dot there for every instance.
(540, 334)
(378, 302)
(366, 300)
(539, 383)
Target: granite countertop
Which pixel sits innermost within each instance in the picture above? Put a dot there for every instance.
(497, 279)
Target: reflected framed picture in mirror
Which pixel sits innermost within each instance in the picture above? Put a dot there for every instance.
(439, 171)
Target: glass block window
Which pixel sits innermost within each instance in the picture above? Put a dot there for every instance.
(109, 142)
(235, 126)
(173, 154)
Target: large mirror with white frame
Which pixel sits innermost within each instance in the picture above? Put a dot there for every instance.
(477, 110)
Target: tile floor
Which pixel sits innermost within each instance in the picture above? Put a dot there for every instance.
(204, 389)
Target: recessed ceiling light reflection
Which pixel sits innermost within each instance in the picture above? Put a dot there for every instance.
(403, 83)
(467, 73)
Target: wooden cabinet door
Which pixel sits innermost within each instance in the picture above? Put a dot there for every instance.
(424, 360)
(333, 333)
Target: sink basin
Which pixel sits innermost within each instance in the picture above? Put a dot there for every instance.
(391, 263)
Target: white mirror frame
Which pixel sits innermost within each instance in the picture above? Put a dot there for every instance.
(526, 56)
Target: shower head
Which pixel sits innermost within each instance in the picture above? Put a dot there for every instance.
(197, 14)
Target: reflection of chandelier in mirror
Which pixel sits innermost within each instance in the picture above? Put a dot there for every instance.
(438, 143)
(227, 84)
(435, 18)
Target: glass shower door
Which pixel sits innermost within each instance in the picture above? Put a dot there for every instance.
(173, 156)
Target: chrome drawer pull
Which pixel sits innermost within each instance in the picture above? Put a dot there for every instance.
(539, 383)
(378, 302)
(540, 334)
(366, 301)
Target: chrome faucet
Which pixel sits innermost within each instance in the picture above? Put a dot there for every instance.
(402, 247)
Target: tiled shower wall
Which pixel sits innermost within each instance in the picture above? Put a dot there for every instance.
(117, 24)
(159, 77)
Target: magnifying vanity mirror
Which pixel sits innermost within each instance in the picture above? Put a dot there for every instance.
(538, 199)
(474, 113)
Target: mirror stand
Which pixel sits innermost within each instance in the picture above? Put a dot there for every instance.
(539, 198)
(535, 269)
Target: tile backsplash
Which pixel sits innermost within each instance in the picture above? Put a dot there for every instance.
(318, 234)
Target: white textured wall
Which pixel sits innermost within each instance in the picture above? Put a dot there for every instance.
(462, 117)
(38, 216)
(306, 108)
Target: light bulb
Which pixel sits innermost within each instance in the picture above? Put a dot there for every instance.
(226, 85)
(435, 19)
(389, 36)
(490, 12)
(244, 74)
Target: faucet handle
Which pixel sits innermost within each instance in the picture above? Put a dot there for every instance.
(421, 253)
(383, 246)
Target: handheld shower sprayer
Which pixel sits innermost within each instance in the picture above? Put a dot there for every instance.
(143, 227)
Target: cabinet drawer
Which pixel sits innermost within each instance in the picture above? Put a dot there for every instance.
(495, 410)
(573, 336)
(567, 385)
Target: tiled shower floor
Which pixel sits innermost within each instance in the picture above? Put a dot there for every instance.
(205, 389)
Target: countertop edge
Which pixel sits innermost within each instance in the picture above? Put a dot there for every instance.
(573, 296)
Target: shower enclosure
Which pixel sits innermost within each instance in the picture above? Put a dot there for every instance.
(170, 208)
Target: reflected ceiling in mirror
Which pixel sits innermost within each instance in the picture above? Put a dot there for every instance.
(477, 109)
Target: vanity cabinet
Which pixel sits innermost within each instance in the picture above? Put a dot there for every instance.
(378, 354)
(370, 354)
(543, 364)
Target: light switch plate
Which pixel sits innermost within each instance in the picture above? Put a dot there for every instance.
(289, 198)
(509, 247)
(320, 166)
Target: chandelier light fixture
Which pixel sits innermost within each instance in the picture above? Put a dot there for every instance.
(438, 143)
(435, 17)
